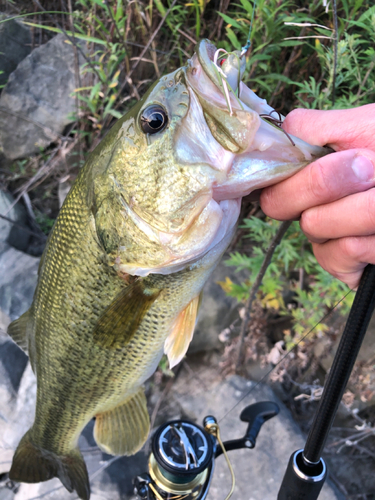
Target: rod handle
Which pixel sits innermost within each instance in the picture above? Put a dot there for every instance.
(302, 481)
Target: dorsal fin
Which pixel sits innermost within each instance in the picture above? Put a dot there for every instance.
(178, 340)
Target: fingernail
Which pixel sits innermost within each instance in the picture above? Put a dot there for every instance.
(363, 168)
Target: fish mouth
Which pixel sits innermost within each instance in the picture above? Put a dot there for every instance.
(255, 151)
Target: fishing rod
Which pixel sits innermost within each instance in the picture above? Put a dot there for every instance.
(182, 461)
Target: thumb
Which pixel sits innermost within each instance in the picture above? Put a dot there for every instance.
(339, 128)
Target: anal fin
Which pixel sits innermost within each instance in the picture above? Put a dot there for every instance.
(17, 330)
(123, 429)
(178, 340)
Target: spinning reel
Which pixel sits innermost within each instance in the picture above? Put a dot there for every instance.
(182, 461)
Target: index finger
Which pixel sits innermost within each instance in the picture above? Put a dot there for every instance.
(340, 128)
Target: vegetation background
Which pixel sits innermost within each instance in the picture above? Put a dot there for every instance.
(317, 54)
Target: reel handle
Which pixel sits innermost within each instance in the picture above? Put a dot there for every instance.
(256, 415)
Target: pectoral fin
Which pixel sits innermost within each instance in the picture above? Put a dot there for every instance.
(18, 330)
(124, 429)
(178, 340)
(119, 322)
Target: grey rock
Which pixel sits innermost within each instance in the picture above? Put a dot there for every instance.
(258, 472)
(217, 311)
(36, 104)
(18, 278)
(12, 365)
(18, 414)
(16, 417)
(11, 233)
(62, 191)
(15, 45)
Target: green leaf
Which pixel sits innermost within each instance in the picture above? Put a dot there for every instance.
(291, 43)
(234, 40)
(247, 6)
(115, 113)
(230, 21)
(282, 78)
(76, 35)
(20, 16)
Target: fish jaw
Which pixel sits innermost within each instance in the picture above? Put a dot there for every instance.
(262, 153)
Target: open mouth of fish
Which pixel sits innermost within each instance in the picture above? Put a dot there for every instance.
(248, 150)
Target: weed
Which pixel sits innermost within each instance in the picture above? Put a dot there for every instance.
(293, 273)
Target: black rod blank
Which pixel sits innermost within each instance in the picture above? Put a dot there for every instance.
(351, 340)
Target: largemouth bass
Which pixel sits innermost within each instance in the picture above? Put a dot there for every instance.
(147, 220)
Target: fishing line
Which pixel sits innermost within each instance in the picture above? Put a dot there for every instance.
(282, 359)
(246, 47)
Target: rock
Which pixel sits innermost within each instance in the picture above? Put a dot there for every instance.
(216, 312)
(11, 233)
(197, 396)
(36, 104)
(15, 45)
(18, 414)
(18, 273)
(12, 365)
(16, 417)
(62, 191)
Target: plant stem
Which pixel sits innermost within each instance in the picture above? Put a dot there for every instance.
(127, 78)
(335, 25)
(254, 289)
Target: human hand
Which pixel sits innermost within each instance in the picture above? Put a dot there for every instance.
(334, 197)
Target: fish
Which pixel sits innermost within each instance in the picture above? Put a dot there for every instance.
(120, 281)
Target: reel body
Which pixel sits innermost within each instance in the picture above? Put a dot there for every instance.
(180, 465)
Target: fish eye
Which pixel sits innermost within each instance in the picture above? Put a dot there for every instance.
(153, 119)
